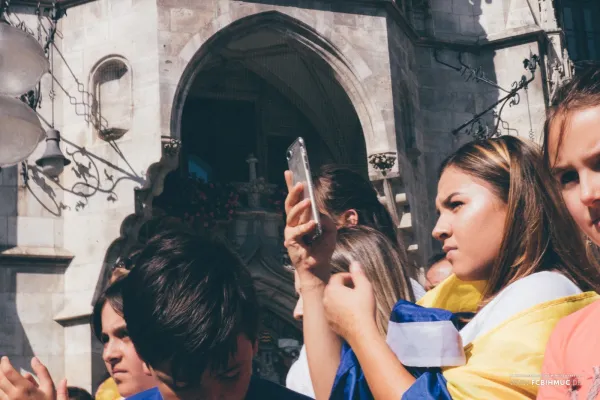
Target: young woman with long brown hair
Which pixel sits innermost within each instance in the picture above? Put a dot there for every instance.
(497, 223)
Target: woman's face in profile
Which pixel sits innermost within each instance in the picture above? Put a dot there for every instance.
(470, 225)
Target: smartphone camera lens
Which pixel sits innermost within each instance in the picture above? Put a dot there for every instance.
(289, 154)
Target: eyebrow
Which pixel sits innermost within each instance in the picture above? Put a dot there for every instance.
(589, 157)
(448, 199)
(118, 329)
(556, 171)
(230, 369)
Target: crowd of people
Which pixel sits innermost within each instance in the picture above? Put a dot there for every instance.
(509, 313)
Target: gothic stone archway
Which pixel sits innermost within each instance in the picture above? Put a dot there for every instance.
(252, 89)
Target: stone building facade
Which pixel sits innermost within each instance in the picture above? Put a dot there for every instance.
(156, 87)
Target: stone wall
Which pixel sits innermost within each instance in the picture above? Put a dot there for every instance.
(84, 210)
(448, 98)
(30, 293)
(31, 231)
(100, 186)
(408, 127)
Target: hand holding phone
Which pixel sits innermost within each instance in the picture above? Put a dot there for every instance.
(297, 158)
(310, 258)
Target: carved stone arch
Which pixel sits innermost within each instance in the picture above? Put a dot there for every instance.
(349, 75)
(197, 54)
(112, 102)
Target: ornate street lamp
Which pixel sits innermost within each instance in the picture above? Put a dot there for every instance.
(23, 62)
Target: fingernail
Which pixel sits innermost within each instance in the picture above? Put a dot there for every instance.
(35, 360)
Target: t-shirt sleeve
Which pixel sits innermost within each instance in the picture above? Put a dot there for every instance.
(554, 364)
(298, 377)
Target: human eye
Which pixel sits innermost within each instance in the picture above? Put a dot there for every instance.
(455, 205)
(122, 334)
(567, 178)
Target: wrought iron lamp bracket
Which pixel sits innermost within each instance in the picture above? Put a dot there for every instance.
(476, 127)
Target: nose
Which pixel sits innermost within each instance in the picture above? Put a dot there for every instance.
(299, 310)
(589, 184)
(441, 230)
(111, 353)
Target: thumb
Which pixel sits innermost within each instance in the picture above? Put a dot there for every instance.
(62, 392)
(46, 384)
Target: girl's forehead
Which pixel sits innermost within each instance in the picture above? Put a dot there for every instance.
(573, 136)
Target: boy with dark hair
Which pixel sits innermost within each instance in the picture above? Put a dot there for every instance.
(192, 314)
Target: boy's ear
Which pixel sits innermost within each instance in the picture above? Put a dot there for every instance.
(146, 369)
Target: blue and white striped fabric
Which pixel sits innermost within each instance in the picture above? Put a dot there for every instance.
(423, 339)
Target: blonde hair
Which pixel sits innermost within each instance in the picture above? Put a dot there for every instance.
(381, 263)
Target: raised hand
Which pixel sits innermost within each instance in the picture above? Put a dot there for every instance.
(308, 259)
(14, 386)
(350, 303)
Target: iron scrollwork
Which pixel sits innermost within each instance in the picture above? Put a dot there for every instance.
(477, 127)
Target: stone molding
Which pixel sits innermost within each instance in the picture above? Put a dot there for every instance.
(74, 315)
(35, 257)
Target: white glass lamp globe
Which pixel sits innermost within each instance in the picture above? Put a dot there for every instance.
(20, 131)
(22, 61)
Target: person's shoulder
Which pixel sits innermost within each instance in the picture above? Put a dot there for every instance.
(150, 394)
(544, 286)
(580, 319)
(262, 389)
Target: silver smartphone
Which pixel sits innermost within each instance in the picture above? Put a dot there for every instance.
(297, 158)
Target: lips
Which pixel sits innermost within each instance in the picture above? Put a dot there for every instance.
(118, 371)
(447, 249)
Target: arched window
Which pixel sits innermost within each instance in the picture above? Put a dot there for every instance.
(580, 20)
(112, 91)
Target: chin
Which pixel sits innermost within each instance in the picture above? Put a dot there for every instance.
(126, 390)
(462, 274)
